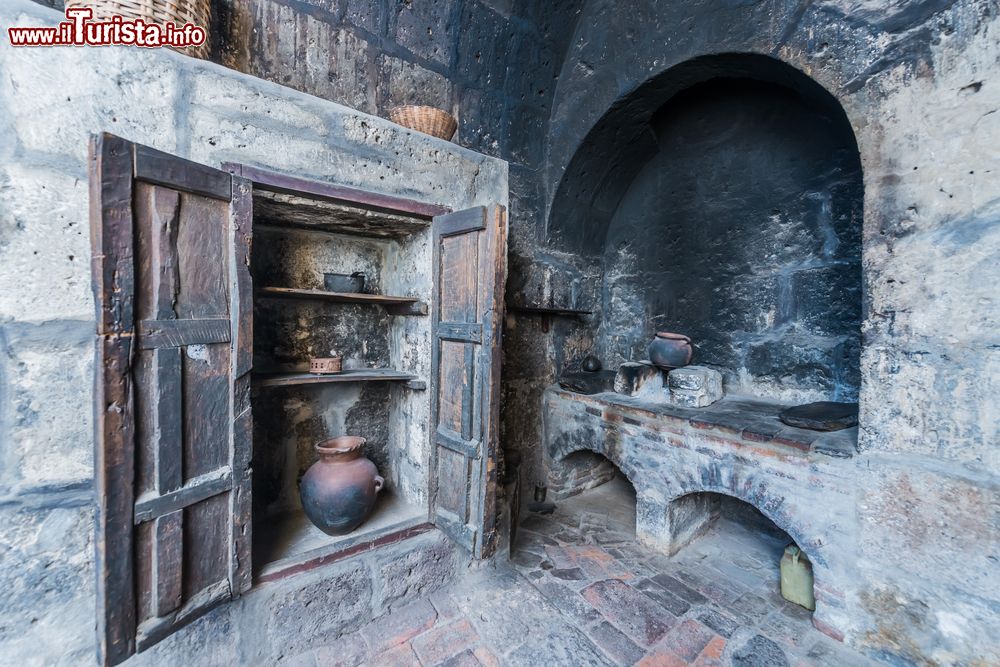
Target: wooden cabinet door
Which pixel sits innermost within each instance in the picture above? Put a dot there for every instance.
(470, 268)
(171, 245)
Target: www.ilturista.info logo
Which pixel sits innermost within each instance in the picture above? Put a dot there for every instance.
(79, 30)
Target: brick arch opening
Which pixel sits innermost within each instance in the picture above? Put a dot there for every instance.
(585, 470)
(752, 527)
(755, 493)
(697, 514)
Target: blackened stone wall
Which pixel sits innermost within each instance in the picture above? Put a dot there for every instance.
(491, 62)
(743, 232)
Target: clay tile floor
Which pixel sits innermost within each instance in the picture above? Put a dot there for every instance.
(580, 591)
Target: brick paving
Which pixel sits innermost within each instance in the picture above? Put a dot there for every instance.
(580, 591)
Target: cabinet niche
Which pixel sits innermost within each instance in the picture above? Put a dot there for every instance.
(211, 301)
(384, 338)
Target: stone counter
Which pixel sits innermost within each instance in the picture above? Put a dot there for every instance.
(801, 480)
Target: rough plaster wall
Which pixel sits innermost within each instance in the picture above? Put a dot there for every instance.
(404, 263)
(51, 100)
(918, 82)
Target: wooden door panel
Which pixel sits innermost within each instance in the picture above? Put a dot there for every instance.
(206, 409)
(453, 484)
(459, 277)
(469, 271)
(457, 377)
(203, 260)
(173, 356)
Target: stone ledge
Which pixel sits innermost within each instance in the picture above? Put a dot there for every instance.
(744, 420)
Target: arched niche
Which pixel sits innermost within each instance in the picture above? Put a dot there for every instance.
(723, 199)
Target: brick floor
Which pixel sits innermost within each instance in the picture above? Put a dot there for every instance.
(629, 610)
(580, 591)
(446, 641)
(400, 627)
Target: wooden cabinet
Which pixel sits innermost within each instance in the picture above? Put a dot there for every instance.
(209, 300)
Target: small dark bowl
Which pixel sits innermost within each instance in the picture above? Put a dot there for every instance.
(341, 282)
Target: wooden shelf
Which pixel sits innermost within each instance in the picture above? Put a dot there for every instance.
(394, 305)
(550, 311)
(279, 210)
(354, 375)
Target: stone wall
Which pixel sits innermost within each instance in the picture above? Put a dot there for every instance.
(282, 619)
(917, 81)
(51, 100)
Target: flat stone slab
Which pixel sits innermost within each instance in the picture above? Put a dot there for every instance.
(632, 612)
(745, 419)
(821, 416)
(759, 651)
(593, 561)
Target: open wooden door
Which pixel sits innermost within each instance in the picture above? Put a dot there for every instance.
(470, 269)
(171, 244)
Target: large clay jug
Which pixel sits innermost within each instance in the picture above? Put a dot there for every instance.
(338, 491)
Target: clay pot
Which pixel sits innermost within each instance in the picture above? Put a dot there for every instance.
(338, 491)
(670, 350)
(591, 364)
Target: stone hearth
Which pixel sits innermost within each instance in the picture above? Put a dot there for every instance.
(801, 480)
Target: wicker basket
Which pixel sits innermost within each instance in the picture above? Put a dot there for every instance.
(428, 120)
(198, 12)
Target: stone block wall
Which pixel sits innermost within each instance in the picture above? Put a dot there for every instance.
(917, 81)
(282, 619)
(51, 101)
(493, 64)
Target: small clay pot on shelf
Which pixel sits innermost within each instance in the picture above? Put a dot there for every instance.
(338, 492)
(326, 365)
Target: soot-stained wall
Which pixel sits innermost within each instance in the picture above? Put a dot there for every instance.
(743, 232)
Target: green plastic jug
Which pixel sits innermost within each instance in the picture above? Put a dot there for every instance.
(797, 578)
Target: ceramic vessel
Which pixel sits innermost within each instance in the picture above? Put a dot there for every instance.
(670, 350)
(326, 365)
(338, 491)
(341, 282)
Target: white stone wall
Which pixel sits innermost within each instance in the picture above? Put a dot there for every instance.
(51, 101)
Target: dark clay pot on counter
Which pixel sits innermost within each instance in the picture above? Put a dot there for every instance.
(670, 350)
(338, 491)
